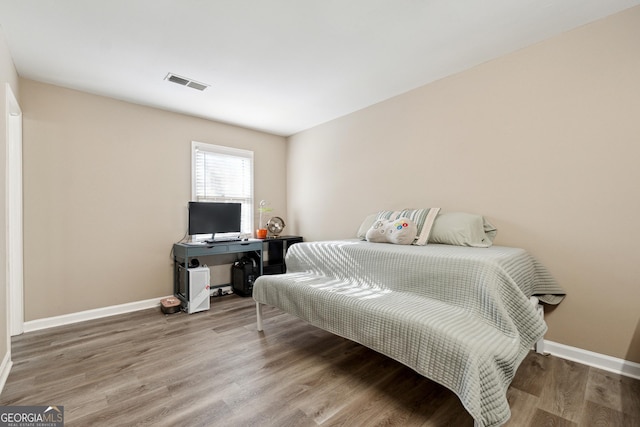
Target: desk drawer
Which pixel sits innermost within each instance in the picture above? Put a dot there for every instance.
(194, 251)
(189, 251)
(204, 250)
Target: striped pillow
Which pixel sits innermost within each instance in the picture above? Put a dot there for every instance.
(423, 218)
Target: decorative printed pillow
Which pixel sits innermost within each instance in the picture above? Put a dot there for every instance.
(423, 218)
(401, 231)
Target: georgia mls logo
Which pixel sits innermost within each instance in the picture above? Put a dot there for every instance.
(31, 416)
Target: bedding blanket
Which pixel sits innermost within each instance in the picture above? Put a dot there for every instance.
(457, 315)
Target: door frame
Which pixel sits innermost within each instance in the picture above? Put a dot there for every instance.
(14, 220)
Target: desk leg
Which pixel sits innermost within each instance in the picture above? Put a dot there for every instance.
(259, 315)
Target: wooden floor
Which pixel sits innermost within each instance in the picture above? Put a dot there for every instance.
(214, 369)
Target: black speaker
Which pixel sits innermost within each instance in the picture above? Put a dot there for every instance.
(243, 273)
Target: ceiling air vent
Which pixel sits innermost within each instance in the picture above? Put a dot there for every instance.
(185, 82)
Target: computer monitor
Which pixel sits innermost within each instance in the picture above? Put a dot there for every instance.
(214, 217)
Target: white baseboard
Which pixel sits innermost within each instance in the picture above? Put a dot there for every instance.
(5, 369)
(597, 360)
(66, 319)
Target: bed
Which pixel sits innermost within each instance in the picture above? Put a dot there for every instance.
(460, 316)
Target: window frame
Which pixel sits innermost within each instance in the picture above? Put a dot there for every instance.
(228, 151)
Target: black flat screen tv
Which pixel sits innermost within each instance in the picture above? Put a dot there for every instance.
(214, 217)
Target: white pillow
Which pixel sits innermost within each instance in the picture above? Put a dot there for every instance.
(462, 229)
(366, 225)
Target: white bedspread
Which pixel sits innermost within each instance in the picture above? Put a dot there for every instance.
(457, 315)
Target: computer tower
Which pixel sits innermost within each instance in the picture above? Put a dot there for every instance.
(197, 297)
(243, 273)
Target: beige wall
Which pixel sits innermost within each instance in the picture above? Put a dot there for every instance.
(106, 185)
(545, 142)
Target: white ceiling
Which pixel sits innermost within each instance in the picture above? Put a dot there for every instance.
(280, 66)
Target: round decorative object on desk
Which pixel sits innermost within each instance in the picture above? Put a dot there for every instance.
(275, 226)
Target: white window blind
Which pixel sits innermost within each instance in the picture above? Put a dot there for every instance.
(224, 174)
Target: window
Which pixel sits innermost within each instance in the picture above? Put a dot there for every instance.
(223, 174)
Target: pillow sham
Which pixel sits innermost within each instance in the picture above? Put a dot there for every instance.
(401, 231)
(462, 229)
(366, 225)
(423, 218)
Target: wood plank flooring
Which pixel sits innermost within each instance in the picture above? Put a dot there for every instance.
(214, 369)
